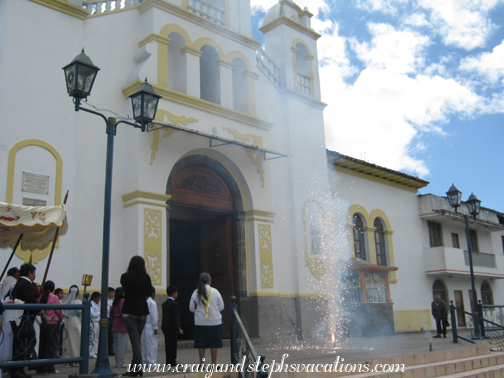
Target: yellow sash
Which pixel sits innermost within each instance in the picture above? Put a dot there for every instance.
(207, 303)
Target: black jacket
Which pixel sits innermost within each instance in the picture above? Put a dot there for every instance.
(25, 291)
(136, 290)
(171, 317)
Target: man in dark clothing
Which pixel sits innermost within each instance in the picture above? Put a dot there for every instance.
(440, 313)
(24, 341)
(171, 325)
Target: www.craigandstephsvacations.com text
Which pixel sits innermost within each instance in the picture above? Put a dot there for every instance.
(338, 366)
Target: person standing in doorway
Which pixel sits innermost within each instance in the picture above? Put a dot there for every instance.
(206, 304)
(440, 313)
(171, 325)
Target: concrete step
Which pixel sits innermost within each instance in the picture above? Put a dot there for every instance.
(463, 363)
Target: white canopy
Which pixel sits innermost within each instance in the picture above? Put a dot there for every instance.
(38, 224)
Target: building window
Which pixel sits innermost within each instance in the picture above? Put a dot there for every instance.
(240, 86)
(455, 240)
(376, 288)
(439, 288)
(210, 75)
(435, 234)
(474, 241)
(359, 239)
(486, 294)
(381, 248)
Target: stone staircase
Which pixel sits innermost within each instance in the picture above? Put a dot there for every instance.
(461, 363)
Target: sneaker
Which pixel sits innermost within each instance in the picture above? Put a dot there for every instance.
(436, 337)
(444, 336)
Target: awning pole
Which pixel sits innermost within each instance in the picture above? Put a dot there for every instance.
(53, 246)
(12, 255)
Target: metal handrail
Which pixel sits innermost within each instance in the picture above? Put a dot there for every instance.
(246, 352)
(478, 318)
(85, 329)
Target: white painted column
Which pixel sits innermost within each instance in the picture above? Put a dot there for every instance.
(191, 60)
(226, 83)
(146, 212)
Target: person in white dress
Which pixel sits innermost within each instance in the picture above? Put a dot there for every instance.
(150, 333)
(94, 329)
(72, 333)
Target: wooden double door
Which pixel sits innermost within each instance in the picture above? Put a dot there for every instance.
(201, 240)
(197, 248)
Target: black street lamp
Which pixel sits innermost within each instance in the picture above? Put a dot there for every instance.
(80, 75)
(473, 207)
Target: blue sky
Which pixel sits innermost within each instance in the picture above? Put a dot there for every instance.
(415, 86)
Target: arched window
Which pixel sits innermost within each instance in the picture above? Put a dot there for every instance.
(177, 66)
(359, 239)
(303, 67)
(240, 86)
(381, 248)
(439, 288)
(486, 294)
(210, 75)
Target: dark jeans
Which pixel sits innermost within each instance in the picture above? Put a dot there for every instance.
(441, 326)
(23, 344)
(110, 339)
(135, 325)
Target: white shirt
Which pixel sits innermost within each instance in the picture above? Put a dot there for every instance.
(152, 318)
(207, 315)
(95, 312)
(109, 304)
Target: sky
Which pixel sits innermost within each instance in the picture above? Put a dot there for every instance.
(415, 86)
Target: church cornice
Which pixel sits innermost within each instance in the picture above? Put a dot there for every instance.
(182, 13)
(65, 7)
(197, 103)
(283, 20)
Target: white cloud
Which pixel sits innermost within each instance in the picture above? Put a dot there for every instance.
(397, 50)
(461, 23)
(384, 111)
(384, 6)
(489, 65)
(416, 20)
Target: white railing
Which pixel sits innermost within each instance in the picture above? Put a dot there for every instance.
(304, 84)
(482, 259)
(208, 10)
(268, 67)
(101, 6)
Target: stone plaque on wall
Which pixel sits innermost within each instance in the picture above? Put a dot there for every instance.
(35, 183)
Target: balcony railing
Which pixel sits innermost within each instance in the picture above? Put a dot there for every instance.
(101, 6)
(486, 260)
(212, 11)
(304, 84)
(268, 67)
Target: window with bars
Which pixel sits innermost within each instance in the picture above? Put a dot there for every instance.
(474, 241)
(359, 238)
(439, 288)
(381, 248)
(376, 288)
(486, 294)
(435, 234)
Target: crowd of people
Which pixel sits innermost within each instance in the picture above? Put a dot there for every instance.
(132, 314)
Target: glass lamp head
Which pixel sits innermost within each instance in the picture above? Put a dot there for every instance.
(80, 75)
(144, 103)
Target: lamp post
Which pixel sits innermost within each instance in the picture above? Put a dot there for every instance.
(473, 206)
(80, 75)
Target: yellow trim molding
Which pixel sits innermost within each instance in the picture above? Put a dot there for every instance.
(260, 213)
(64, 6)
(36, 255)
(154, 37)
(153, 235)
(266, 256)
(147, 195)
(141, 202)
(412, 320)
(283, 20)
(378, 213)
(200, 104)
(317, 265)
(190, 50)
(12, 164)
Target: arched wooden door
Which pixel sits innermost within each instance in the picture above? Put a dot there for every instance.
(201, 238)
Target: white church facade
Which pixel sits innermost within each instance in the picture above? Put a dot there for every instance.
(238, 183)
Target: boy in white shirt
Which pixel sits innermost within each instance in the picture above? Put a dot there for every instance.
(150, 333)
(95, 319)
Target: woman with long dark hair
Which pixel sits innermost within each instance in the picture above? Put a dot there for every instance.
(137, 287)
(49, 331)
(207, 304)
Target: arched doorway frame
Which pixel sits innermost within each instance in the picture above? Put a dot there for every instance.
(242, 199)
